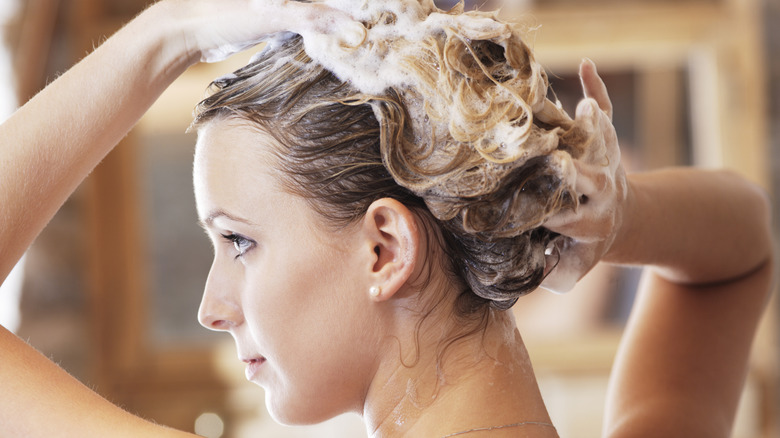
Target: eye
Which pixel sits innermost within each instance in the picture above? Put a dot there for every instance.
(240, 243)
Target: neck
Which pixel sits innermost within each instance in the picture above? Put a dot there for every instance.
(484, 380)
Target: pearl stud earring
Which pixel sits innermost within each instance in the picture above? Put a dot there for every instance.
(375, 291)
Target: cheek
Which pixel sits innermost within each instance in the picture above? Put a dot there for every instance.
(293, 305)
(314, 324)
(305, 310)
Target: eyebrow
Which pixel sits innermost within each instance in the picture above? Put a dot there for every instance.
(208, 221)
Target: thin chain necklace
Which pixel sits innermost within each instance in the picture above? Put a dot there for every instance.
(489, 428)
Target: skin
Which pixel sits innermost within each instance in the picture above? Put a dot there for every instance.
(85, 119)
(288, 287)
(680, 368)
(289, 283)
(683, 358)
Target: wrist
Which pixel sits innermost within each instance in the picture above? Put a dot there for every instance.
(160, 32)
(626, 235)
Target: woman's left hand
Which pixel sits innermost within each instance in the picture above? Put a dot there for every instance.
(589, 231)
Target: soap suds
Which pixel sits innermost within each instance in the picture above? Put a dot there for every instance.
(475, 96)
(490, 153)
(465, 124)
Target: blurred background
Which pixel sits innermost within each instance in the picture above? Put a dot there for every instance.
(111, 288)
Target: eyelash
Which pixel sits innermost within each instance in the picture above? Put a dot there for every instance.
(240, 243)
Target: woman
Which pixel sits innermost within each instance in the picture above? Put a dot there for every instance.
(347, 282)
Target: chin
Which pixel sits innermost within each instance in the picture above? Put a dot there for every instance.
(298, 411)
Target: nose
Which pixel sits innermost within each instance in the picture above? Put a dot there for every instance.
(220, 307)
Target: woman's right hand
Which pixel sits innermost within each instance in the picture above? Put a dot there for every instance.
(590, 230)
(213, 30)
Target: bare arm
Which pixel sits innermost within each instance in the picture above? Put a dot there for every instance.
(684, 356)
(50, 145)
(706, 236)
(683, 359)
(694, 226)
(42, 400)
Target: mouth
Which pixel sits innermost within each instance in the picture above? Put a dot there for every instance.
(253, 366)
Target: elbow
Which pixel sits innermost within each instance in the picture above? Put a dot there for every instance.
(757, 210)
(761, 213)
(754, 209)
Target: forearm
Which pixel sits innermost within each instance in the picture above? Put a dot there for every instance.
(684, 355)
(694, 226)
(49, 146)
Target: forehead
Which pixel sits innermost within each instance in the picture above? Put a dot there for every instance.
(233, 136)
(233, 164)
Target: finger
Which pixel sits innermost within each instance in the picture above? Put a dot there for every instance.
(587, 113)
(566, 269)
(589, 116)
(559, 222)
(611, 144)
(603, 149)
(594, 87)
(558, 284)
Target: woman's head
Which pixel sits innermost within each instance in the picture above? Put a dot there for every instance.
(341, 150)
(475, 202)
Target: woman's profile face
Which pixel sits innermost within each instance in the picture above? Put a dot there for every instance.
(291, 293)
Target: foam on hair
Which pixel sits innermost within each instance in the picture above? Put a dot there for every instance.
(464, 125)
(477, 101)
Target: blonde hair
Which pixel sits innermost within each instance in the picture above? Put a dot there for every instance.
(476, 145)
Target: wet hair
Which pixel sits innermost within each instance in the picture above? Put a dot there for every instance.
(341, 149)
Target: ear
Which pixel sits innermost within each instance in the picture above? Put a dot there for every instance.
(393, 236)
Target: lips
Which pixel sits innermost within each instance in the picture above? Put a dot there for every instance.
(253, 366)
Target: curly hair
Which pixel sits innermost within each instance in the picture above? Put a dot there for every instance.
(474, 145)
